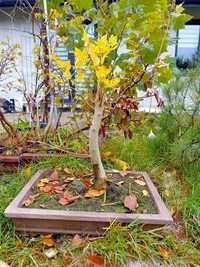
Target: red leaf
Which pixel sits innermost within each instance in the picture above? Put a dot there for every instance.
(29, 201)
(96, 261)
(46, 188)
(54, 183)
(130, 202)
(67, 199)
(63, 201)
(57, 189)
(87, 182)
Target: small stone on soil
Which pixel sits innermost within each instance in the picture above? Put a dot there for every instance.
(50, 253)
(114, 190)
(79, 187)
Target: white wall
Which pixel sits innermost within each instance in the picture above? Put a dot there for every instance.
(18, 30)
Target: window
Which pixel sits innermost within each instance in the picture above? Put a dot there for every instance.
(187, 42)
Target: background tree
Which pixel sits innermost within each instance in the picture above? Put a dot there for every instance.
(8, 56)
(142, 28)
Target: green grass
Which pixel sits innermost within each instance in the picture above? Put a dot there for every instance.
(119, 244)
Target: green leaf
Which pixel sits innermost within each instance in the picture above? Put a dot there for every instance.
(81, 5)
(179, 21)
(123, 57)
(165, 74)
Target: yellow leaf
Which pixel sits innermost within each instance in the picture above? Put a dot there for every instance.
(167, 193)
(113, 41)
(102, 72)
(44, 180)
(163, 252)
(140, 182)
(173, 172)
(145, 193)
(58, 101)
(80, 76)
(94, 193)
(64, 65)
(27, 171)
(81, 57)
(107, 154)
(58, 61)
(111, 83)
(121, 164)
(48, 241)
(86, 39)
(67, 171)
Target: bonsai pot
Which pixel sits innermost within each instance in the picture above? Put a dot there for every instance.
(44, 220)
(9, 163)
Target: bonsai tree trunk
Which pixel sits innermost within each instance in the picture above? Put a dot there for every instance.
(99, 172)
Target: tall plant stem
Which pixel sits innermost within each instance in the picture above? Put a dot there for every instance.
(99, 172)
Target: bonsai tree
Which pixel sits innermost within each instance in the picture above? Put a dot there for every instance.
(127, 53)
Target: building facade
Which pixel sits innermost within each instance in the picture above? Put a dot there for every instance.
(16, 25)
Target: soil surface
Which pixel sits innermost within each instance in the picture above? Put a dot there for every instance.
(61, 189)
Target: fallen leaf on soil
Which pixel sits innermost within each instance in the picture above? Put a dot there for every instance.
(69, 196)
(57, 189)
(30, 200)
(107, 154)
(63, 201)
(43, 182)
(121, 164)
(163, 252)
(140, 182)
(145, 193)
(43, 206)
(48, 241)
(54, 183)
(94, 193)
(77, 241)
(96, 261)
(130, 202)
(46, 188)
(50, 253)
(3, 264)
(87, 182)
(174, 173)
(167, 193)
(54, 176)
(28, 171)
(67, 199)
(67, 171)
(69, 179)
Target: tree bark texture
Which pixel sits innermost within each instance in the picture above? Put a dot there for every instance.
(99, 172)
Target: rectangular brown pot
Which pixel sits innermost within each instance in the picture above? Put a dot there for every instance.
(59, 221)
(9, 163)
(29, 157)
